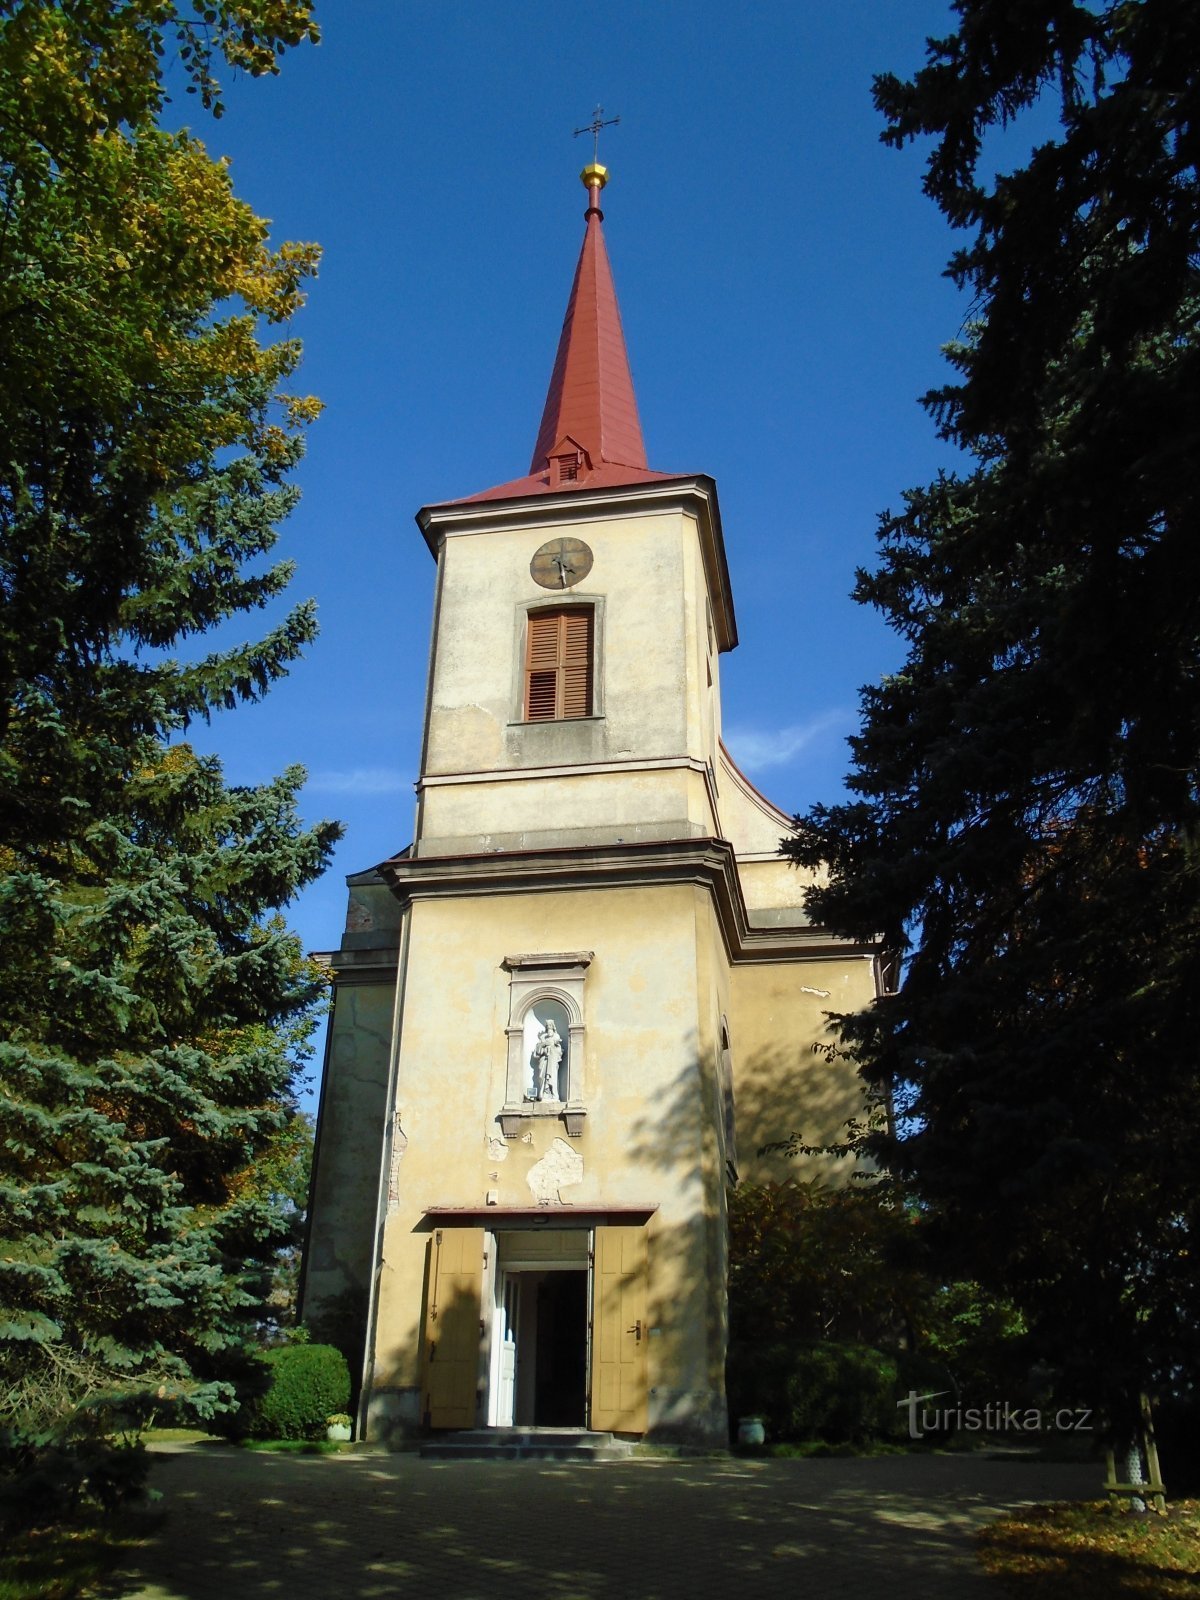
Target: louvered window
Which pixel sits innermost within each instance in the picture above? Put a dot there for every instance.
(558, 664)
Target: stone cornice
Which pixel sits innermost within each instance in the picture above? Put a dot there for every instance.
(575, 769)
(708, 863)
(583, 769)
(359, 966)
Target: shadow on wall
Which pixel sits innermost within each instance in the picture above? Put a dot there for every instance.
(794, 1089)
(339, 1320)
(676, 1142)
(460, 1325)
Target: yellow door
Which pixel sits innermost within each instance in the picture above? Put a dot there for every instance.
(452, 1327)
(619, 1330)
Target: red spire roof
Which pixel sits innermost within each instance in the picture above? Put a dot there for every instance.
(591, 396)
(590, 436)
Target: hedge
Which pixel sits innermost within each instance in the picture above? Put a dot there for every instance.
(309, 1382)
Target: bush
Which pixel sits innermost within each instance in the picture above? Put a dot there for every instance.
(842, 1393)
(308, 1382)
(51, 1475)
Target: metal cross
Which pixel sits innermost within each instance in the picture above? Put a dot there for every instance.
(593, 127)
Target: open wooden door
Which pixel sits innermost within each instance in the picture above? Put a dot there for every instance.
(619, 1342)
(452, 1328)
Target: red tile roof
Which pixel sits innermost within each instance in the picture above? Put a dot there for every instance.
(591, 388)
(590, 401)
(608, 475)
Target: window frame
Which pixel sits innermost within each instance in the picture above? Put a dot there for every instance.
(556, 603)
(560, 663)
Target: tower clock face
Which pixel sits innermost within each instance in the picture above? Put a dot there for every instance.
(561, 563)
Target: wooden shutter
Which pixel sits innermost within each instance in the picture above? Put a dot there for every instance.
(452, 1327)
(619, 1331)
(576, 674)
(541, 666)
(558, 664)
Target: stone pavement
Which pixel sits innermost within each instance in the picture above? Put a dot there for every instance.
(251, 1526)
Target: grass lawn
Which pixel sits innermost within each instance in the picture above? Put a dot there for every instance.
(295, 1447)
(63, 1562)
(1066, 1551)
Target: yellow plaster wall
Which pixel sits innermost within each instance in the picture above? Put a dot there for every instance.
(646, 569)
(781, 1084)
(775, 885)
(751, 823)
(564, 808)
(647, 1139)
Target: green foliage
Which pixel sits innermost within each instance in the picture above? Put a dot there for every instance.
(153, 1004)
(283, 1174)
(309, 1383)
(835, 1310)
(811, 1263)
(978, 1338)
(50, 1476)
(842, 1393)
(1025, 832)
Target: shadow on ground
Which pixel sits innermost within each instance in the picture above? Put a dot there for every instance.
(249, 1527)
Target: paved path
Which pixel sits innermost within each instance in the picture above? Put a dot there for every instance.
(248, 1526)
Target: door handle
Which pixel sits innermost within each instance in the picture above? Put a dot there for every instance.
(636, 1330)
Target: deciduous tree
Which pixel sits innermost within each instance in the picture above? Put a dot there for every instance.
(150, 995)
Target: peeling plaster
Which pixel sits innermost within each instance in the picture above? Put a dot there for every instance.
(823, 994)
(399, 1146)
(560, 1167)
(497, 1150)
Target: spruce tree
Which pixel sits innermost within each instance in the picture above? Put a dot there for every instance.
(150, 994)
(1028, 816)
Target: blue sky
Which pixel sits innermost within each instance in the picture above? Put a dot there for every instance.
(780, 280)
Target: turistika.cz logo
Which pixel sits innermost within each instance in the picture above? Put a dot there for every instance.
(997, 1417)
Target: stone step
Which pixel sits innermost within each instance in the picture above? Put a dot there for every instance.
(526, 1444)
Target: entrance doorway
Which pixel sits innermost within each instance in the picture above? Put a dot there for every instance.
(539, 1362)
(537, 1327)
(542, 1328)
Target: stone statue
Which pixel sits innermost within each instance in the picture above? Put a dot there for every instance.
(547, 1058)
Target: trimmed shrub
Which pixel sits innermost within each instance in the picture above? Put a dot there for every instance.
(842, 1393)
(308, 1383)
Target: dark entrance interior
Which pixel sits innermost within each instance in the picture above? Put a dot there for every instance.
(560, 1377)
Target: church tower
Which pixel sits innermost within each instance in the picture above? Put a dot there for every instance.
(577, 1004)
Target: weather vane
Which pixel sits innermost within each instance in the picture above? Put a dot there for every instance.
(594, 126)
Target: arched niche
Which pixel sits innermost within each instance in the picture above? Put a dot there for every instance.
(545, 989)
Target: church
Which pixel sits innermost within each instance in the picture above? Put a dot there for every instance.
(568, 1015)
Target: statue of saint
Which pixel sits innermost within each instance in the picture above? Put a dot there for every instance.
(547, 1058)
